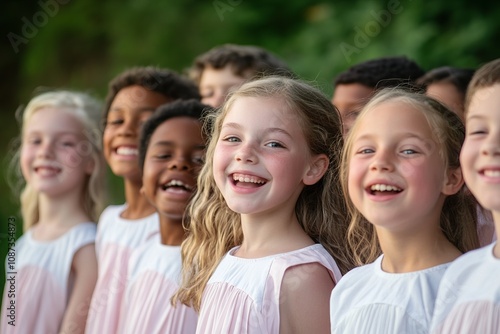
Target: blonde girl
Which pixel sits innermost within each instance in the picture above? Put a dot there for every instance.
(410, 214)
(61, 161)
(266, 234)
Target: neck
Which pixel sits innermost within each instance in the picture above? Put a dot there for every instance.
(65, 210)
(422, 248)
(271, 234)
(171, 231)
(137, 205)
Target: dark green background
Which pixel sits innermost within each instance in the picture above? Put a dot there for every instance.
(82, 44)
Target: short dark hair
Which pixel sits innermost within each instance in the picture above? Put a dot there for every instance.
(244, 59)
(180, 108)
(459, 77)
(160, 80)
(382, 72)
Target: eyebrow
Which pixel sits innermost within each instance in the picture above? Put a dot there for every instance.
(170, 143)
(141, 109)
(475, 116)
(266, 131)
(403, 136)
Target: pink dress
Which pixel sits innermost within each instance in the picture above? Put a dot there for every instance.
(154, 275)
(115, 241)
(242, 296)
(468, 299)
(41, 281)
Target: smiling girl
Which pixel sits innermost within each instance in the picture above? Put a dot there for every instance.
(401, 174)
(265, 245)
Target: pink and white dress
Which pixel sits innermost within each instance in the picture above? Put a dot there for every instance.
(116, 239)
(42, 281)
(242, 296)
(468, 300)
(154, 276)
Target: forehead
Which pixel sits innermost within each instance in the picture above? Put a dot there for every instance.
(178, 129)
(485, 102)
(392, 118)
(52, 119)
(221, 76)
(138, 97)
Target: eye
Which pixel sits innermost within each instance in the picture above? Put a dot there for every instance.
(231, 139)
(366, 151)
(114, 122)
(274, 144)
(163, 156)
(409, 151)
(199, 160)
(477, 132)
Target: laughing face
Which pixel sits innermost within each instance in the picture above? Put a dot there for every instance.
(53, 155)
(396, 173)
(173, 160)
(261, 160)
(131, 107)
(480, 156)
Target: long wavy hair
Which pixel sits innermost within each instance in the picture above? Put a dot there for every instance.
(87, 110)
(213, 229)
(458, 219)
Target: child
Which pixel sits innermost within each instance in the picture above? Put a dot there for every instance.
(401, 173)
(469, 295)
(55, 266)
(133, 96)
(171, 153)
(224, 68)
(448, 85)
(267, 214)
(354, 87)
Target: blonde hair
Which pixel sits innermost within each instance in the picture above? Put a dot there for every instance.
(213, 229)
(87, 110)
(458, 216)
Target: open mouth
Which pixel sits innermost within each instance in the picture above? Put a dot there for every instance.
(378, 189)
(47, 170)
(248, 181)
(491, 172)
(126, 151)
(177, 185)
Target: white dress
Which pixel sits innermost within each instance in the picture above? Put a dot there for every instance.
(369, 300)
(243, 295)
(116, 239)
(469, 296)
(153, 277)
(41, 280)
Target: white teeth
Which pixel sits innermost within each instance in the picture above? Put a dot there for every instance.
(492, 173)
(178, 184)
(248, 179)
(127, 151)
(384, 187)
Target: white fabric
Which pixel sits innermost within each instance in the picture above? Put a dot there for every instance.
(469, 296)
(369, 300)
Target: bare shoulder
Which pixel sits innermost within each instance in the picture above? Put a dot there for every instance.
(305, 299)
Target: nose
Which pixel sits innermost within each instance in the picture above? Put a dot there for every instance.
(128, 128)
(246, 154)
(180, 164)
(382, 161)
(46, 149)
(491, 144)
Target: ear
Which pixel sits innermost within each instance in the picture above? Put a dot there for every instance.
(317, 168)
(453, 181)
(141, 191)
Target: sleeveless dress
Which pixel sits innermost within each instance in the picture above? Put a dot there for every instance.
(370, 300)
(116, 239)
(154, 274)
(469, 295)
(242, 296)
(41, 281)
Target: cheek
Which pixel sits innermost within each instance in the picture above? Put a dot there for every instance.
(355, 178)
(26, 157)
